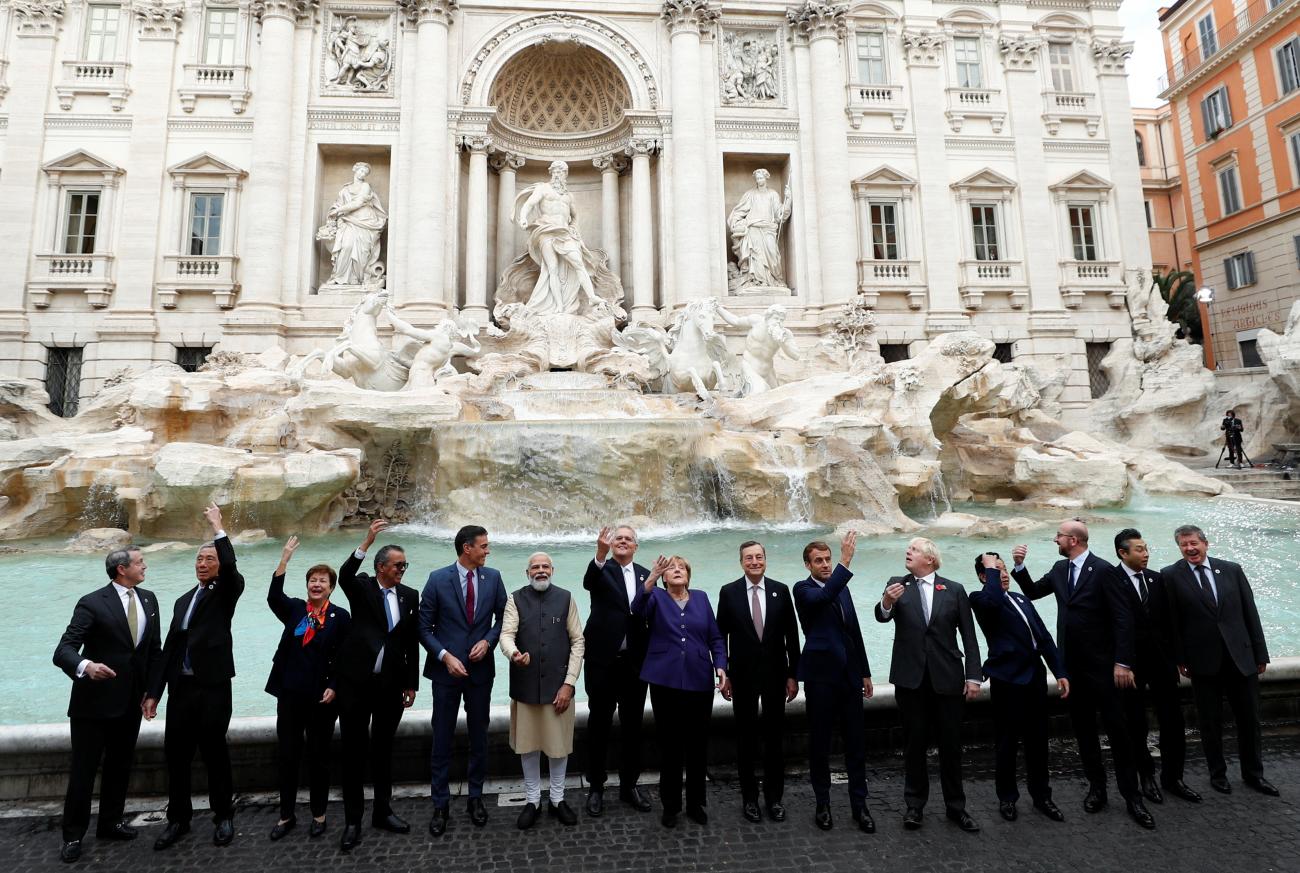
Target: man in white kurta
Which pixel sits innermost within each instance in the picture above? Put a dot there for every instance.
(542, 636)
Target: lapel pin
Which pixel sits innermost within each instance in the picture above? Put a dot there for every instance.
(774, 594)
(940, 588)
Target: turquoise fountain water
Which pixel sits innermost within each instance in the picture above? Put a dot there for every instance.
(43, 586)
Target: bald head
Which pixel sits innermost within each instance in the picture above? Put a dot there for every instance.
(1072, 538)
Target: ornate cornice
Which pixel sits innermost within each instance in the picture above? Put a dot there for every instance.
(1019, 52)
(418, 12)
(690, 15)
(1111, 56)
(159, 19)
(921, 47)
(645, 147)
(612, 162)
(476, 143)
(38, 17)
(297, 11)
(818, 19)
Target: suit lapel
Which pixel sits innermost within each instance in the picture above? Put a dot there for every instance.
(117, 614)
(456, 591)
(1084, 578)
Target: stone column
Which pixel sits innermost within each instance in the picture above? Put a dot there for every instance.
(428, 293)
(22, 233)
(685, 19)
(1130, 215)
(941, 250)
(823, 23)
(642, 224)
(610, 166)
(265, 208)
(803, 224)
(507, 167)
(476, 226)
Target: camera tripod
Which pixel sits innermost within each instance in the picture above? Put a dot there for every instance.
(1241, 456)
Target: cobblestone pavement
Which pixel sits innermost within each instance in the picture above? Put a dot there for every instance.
(1242, 832)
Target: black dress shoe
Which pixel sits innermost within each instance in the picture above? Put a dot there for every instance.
(1221, 784)
(668, 819)
(1049, 809)
(634, 798)
(70, 851)
(223, 832)
(390, 823)
(438, 823)
(118, 831)
(822, 818)
(282, 828)
(1178, 788)
(866, 823)
(912, 819)
(963, 820)
(477, 812)
(750, 810)
(351, 837)
(563, 812)
(316, 828)
(1138, 812)
(1151, 791)
(1007, 809)
(173, 832)
(1095, 800)
(595, 802)
(775, 811)
(527, 816)
(697, 814)
(1263, 786)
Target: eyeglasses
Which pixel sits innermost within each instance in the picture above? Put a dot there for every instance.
(401, 566)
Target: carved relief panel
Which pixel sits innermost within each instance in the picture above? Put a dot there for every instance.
(751, 68)
(358, 51)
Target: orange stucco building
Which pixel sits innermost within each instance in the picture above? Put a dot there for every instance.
(1162, 189)
(1233, 87)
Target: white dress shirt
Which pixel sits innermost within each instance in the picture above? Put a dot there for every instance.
(629, 582)
(1033, 636)
(1135, 578)
(462, 573)
(1196, 574)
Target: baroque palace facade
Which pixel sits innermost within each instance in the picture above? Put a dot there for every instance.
(171, 169)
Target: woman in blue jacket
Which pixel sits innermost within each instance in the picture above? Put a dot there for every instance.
(302, 679)
(685, 652)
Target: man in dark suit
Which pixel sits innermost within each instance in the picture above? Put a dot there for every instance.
(1094, 629)
(1155, 672)
(1220, 646)
(460, 623)
(378, 669)
(616, 644)
(108, 651)
(928, 612)
(1019, 644)
(757, 619)
(198, 662)
(836, 676)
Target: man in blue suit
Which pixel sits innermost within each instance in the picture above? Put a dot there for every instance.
(460, 623)
(1019, 644)
(836, 677)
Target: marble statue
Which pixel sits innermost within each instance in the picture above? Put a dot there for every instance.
(353, 226)
(565, 265)
(417, 358)
(691, 354)
(755, 224)
(362, 60)
(767, 336)
(749, 71)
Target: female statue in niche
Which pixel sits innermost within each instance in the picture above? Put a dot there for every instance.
(755, 226)
(353, 226)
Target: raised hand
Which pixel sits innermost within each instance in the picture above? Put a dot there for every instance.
(604, 542)
(376, 527)
(657, 570)
(290, 546)
(1018, 555)
(891, 595)
(213, 515)
(990, 562)
(848, 547)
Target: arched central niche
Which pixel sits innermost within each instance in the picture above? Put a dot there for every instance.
(560, 88)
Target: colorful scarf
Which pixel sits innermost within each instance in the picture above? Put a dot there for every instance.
(313, 621)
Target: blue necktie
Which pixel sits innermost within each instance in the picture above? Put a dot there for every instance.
(1073, 570)
(388, 613)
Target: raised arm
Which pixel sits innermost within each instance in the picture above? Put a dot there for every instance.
(275, 597)
(348, 572)
(1033, 590)
(230, 582)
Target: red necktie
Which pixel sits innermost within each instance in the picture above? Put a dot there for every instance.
(469, 596)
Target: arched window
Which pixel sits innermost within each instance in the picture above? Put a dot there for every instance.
(1142, 150)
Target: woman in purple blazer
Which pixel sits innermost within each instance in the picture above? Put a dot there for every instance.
(685, 651)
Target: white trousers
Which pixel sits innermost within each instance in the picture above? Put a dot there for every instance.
(532, 762)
